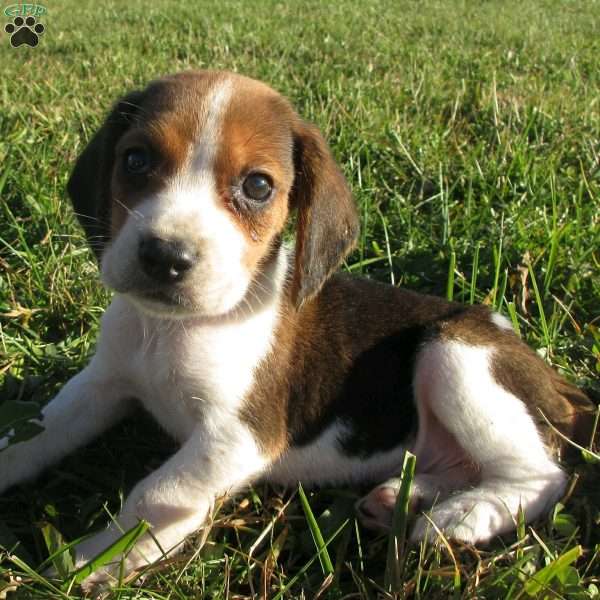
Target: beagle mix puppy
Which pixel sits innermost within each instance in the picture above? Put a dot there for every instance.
(260, 360)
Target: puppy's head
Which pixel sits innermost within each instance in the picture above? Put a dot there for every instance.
(185, 191)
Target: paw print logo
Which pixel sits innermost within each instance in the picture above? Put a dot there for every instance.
(24, 31)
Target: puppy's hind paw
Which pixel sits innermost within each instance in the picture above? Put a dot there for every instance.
(375, 510)
(463, 520)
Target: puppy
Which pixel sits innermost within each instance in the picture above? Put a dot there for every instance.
(258, 359)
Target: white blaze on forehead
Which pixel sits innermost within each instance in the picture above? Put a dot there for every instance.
(205, 150)
(189, 207)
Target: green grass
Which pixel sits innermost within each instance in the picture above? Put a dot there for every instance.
(470, 133)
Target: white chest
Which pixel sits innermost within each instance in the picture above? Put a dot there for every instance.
(186, 372)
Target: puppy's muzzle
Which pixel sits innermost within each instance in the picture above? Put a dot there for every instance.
(165, 261)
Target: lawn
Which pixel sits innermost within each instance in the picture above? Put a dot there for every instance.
(470, 134)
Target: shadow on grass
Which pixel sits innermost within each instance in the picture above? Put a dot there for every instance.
(75, 494)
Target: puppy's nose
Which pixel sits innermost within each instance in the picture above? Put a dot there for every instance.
(165, 261)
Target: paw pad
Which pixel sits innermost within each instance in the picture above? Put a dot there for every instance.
(24, 31)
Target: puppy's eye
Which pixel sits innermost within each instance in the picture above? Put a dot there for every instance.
(257, 187)
(136, 161)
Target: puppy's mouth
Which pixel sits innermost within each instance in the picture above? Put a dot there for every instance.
(162, 303)
(162, 297)
(170, 304)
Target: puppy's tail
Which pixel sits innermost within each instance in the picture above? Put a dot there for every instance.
(574, 416)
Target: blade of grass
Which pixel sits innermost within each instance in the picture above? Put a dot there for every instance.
(306, 566)
(542, 578)
(498, 261)
(36, 576)
(122, 546)
(538, 300)
(397, 538)
(521, 531)
(474, 273)
(388, 250)
(555, 239)
(512, 313)
(450, 279)
(315, 531)
(502, 290)
(58, 550)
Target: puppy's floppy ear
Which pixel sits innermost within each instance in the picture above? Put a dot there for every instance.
(90, 182)
(328, 225)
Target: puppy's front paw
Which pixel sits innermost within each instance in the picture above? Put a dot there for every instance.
(109, 574)
(99, 582)
(106, 577)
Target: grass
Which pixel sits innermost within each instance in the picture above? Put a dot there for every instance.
(470, 133)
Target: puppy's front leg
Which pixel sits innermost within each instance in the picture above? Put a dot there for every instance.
(87, 405)
(176, 498)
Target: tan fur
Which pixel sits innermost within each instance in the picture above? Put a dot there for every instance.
(256, 140)
(280, 367)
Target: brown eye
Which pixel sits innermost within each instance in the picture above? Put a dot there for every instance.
(257, 187)
(136, 161)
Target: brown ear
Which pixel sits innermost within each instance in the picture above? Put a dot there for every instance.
(90, 181)
(328, 224)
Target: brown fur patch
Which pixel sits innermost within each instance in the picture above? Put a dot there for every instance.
(168, 150)
(166, 117)
(349, 354)
(328, 223)
(167, 129)
(256, 136)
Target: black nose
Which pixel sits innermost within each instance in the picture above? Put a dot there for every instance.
(164, 261)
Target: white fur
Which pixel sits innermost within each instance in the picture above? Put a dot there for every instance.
(208, 144)
(501, 321)
(176, 498)
(197, 368)
(324, 461)
(453, 382)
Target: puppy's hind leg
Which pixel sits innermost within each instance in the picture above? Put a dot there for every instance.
(455, 383)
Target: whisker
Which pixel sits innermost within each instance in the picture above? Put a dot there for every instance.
(134, 213)
(91, 218)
